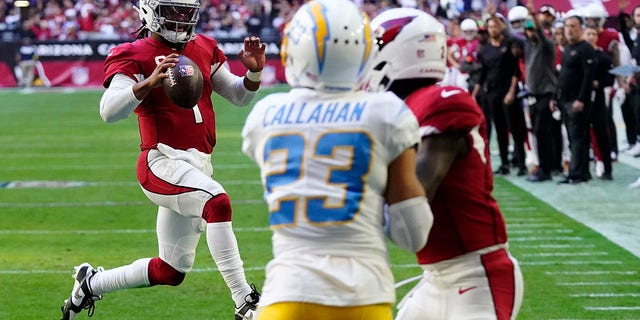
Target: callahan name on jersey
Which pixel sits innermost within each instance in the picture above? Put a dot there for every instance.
(336, 112)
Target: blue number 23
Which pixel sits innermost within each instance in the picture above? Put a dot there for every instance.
(346, 174)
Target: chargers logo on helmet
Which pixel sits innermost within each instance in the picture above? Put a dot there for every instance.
(326, 45)
(320, 30)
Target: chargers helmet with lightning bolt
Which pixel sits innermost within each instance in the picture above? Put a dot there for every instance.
(326, 46)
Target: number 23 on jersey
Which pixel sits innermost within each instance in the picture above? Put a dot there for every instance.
(336, 167)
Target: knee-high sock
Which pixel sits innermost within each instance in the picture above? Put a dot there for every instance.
(134, 275)
(224, 250)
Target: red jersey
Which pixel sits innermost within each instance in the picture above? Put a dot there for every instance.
(466, 216)
(158, 118)
(463, 49)
(558, 62)
(607, 38)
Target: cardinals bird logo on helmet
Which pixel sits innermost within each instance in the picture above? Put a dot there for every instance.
(410, 44)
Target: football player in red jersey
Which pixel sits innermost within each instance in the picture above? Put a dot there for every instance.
(461, 49)
(174, 168)
(468, 270)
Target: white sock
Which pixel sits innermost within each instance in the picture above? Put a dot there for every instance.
(224, 250)
(135, 275)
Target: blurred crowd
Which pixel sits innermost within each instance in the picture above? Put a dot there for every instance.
(70, 20)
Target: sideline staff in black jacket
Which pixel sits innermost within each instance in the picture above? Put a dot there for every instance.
(575, 84)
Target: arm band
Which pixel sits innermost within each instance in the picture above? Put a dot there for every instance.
(254, 76)
(410, 222)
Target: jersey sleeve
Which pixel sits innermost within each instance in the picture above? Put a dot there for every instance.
(445, 110)
(121, 59)
(611, 39)
(252, 131)
(218, 58)
(402, 126)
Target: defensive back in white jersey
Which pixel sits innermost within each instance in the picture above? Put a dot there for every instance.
(324, 159)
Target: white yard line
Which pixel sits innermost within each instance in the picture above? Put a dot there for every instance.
(544, 231)
(571, 262)
(598, 283)
(565, 254)
(545, 239)
(521, 225)
(197, 270)
(557, 246)
(104, 166)
(591, 273)
(612, 308)
(101, 204)
(523, 220)
(605, 295)
(53, 184)
(110, 231)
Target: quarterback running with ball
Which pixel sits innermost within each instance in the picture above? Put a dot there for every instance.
(174, 168)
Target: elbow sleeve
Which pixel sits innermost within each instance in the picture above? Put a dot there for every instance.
(410, 222)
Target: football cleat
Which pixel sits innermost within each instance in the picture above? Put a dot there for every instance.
(634, 150)
(599, 168)
(246, 310)
(635, 184)
(81, 296)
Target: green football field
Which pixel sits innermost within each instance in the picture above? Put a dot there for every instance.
(68, 194)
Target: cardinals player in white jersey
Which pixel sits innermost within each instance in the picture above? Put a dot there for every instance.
(468, 271)
(174, 168)
(330, 157)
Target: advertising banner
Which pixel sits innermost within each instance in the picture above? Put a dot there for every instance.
(80, 63)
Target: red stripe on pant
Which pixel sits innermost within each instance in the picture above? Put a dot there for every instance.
(153, 183)
(594, 145)
(500, 272)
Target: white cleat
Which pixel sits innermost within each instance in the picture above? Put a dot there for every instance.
(599, 168)
(634, 185)
(81, 297)
(634, 150)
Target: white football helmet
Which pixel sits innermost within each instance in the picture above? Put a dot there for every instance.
(469, 28)
(410, 43)
(594, 15)
(326, 46)
(174, 20)
(517, 16)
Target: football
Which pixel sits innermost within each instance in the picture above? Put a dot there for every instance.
(184, 83)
